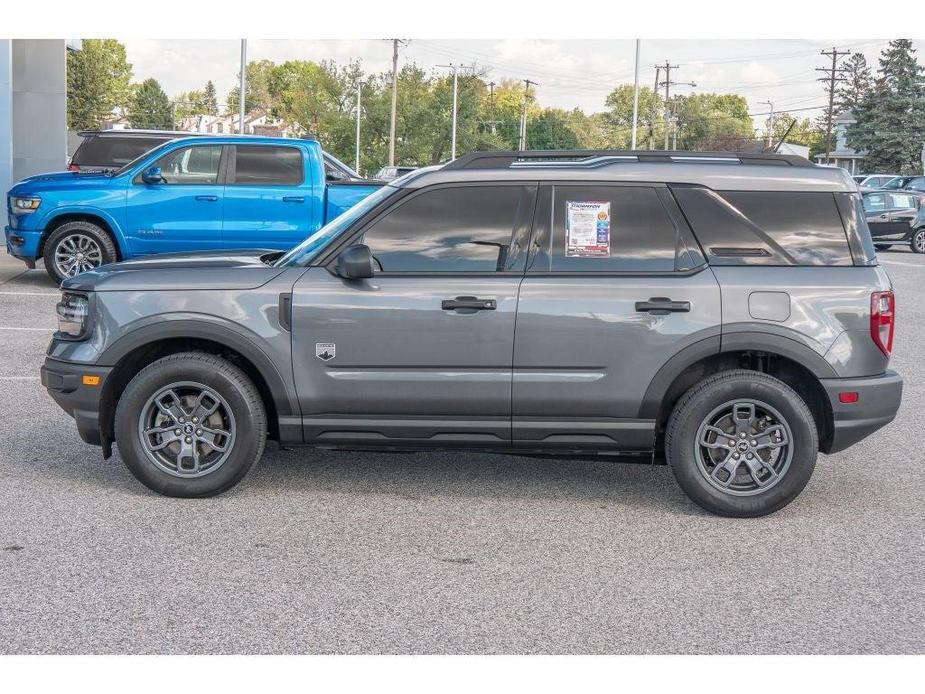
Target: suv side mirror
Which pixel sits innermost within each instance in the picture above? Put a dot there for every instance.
(152, 175)
(355, 263)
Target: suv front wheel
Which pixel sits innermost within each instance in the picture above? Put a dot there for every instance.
(741, 443)
(190, 425)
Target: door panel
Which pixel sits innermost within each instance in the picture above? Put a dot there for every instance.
(268, 201)
(877, 214)
(184, 213)
(420, 353)
(594, 328)
(584, 356)
(397, 365)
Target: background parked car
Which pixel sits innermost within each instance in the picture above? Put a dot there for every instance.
(103, 150)
(875, 180)
(906, 183)
(189, 194)
(108, 150)
(895, 217)
(387, 173)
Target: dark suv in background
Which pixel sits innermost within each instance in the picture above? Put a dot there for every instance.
(724, 311)
(896, 217)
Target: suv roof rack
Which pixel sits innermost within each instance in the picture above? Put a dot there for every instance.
(600, 157)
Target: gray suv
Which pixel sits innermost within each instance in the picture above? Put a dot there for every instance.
(723, 312)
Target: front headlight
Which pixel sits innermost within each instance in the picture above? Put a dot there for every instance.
(24, 205)
(73, 312)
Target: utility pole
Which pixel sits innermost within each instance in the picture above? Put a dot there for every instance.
(770, 122)
(395, 44)
(667, 67)
(522, 141)
(491, 107)
(832, 78)
(242, 86)
(635, 97)
(652, 121)
(359, 92)
(667, 84)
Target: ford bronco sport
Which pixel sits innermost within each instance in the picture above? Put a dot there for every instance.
(725, 312)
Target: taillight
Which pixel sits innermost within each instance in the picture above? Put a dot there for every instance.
(73, 167)
(883, 320)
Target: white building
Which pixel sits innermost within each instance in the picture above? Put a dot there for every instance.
(842, 155)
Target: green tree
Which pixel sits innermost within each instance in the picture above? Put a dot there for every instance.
(857, 85)
(150, 107)
(619, 117)
(890, 124)
(98, 78)
(550, 130)
(260, 75)
(209, 99)
(712, 121)
(189, 104)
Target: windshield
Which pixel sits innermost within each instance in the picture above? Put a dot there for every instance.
(338, 163)
(306, 251)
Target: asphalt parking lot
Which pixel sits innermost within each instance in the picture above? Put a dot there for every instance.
(320, 552)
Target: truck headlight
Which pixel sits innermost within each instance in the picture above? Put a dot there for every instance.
(24, 205)
(73, 312)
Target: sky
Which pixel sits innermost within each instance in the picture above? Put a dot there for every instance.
(569, 73)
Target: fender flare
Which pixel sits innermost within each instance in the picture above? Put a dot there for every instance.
(114, 227)
(215, 330)
(727, 343)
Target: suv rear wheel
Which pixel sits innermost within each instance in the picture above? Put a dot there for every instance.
(76, 247)
(190, 425)
(741, 443)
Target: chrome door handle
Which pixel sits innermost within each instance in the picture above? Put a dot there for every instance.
(293, 198)
(207, 198)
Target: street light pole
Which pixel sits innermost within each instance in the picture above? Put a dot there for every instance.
(635, 97)
(357, 160)
(455, 68)
(770, 122)
(242, 86)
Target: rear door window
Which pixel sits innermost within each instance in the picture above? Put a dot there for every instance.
(259, 165)
(113, 151)
(900, 201)
(607, 228)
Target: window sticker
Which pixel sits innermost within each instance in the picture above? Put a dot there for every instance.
(587, 229)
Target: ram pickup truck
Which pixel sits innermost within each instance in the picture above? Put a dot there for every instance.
(189, 194)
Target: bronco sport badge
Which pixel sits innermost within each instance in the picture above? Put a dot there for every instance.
(325, 351)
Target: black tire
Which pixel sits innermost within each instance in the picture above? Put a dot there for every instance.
(249, 423)
(883, 246)
(708, 396)
(917, 242)
(75, 230)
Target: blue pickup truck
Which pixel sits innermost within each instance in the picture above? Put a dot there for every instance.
(189, 194)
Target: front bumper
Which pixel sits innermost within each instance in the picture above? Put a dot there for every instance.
(878, 399)
(64, 382)
(23, 244)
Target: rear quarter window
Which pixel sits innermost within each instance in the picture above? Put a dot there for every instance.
(766, 228)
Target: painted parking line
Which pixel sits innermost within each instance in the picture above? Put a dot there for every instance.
(899, 262)
(29, 294)
(37, 330)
